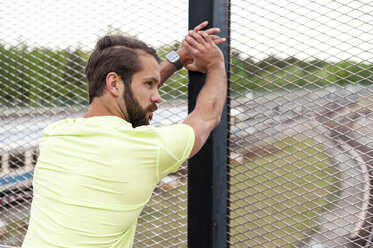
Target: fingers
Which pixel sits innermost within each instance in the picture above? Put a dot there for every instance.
(192, 42)
(188, 46)
(217, 39)
(200, 26)
(198, 36)
(212, 30)
(206, 36)
(209, 31)
(195, 40)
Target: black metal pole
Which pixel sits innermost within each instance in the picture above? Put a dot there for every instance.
(207, 170)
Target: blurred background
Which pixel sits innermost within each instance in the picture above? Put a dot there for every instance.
(301, 74)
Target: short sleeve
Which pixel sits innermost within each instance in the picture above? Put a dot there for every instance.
(175, 143)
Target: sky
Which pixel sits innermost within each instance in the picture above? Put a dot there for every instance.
(307, 29)
(326, 29)
(69, 23)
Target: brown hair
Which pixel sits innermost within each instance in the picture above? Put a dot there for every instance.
(114, 53)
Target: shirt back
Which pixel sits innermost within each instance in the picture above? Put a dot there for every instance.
(95, 175)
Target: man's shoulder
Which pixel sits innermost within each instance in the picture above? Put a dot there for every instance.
(176, 133)
(174, 129)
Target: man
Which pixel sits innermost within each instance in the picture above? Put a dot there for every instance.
(95, 174)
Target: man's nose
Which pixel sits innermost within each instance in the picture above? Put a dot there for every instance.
(156, 97)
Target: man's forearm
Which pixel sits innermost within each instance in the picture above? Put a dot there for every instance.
(167, 69)
(213, 94)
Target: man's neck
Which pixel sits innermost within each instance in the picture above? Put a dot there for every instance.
(99, 108)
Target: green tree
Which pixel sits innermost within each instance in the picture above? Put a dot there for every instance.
(73, 87)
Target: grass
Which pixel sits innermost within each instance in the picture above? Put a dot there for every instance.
(276, 198)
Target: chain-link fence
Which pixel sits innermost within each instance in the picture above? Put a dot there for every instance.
(301, 103)
(301, 122)
(43, 50)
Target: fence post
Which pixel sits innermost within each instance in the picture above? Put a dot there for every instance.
(207, 173)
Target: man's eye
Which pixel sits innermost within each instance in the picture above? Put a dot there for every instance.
(149, 83)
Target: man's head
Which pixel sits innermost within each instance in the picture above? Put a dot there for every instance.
(122, 60)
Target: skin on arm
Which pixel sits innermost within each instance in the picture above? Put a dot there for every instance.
(167, 68)
(207, 58)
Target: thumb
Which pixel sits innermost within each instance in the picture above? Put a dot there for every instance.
(190, 67)
(194, 67)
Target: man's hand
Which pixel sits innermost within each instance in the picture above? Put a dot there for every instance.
(204, 51)
(185, 55)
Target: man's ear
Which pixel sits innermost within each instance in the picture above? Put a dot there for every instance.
(113, 83)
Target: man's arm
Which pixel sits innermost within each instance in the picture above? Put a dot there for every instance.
(167, 68)
(207, 58)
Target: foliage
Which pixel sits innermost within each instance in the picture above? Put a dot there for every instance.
(41, 76)
(291, 73)
(47, 77)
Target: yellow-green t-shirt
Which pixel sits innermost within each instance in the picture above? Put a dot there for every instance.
(95, 175)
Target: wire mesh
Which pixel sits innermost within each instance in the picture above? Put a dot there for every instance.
(44, 47)
(301, 123)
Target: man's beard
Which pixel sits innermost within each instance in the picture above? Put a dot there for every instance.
(136, 113)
